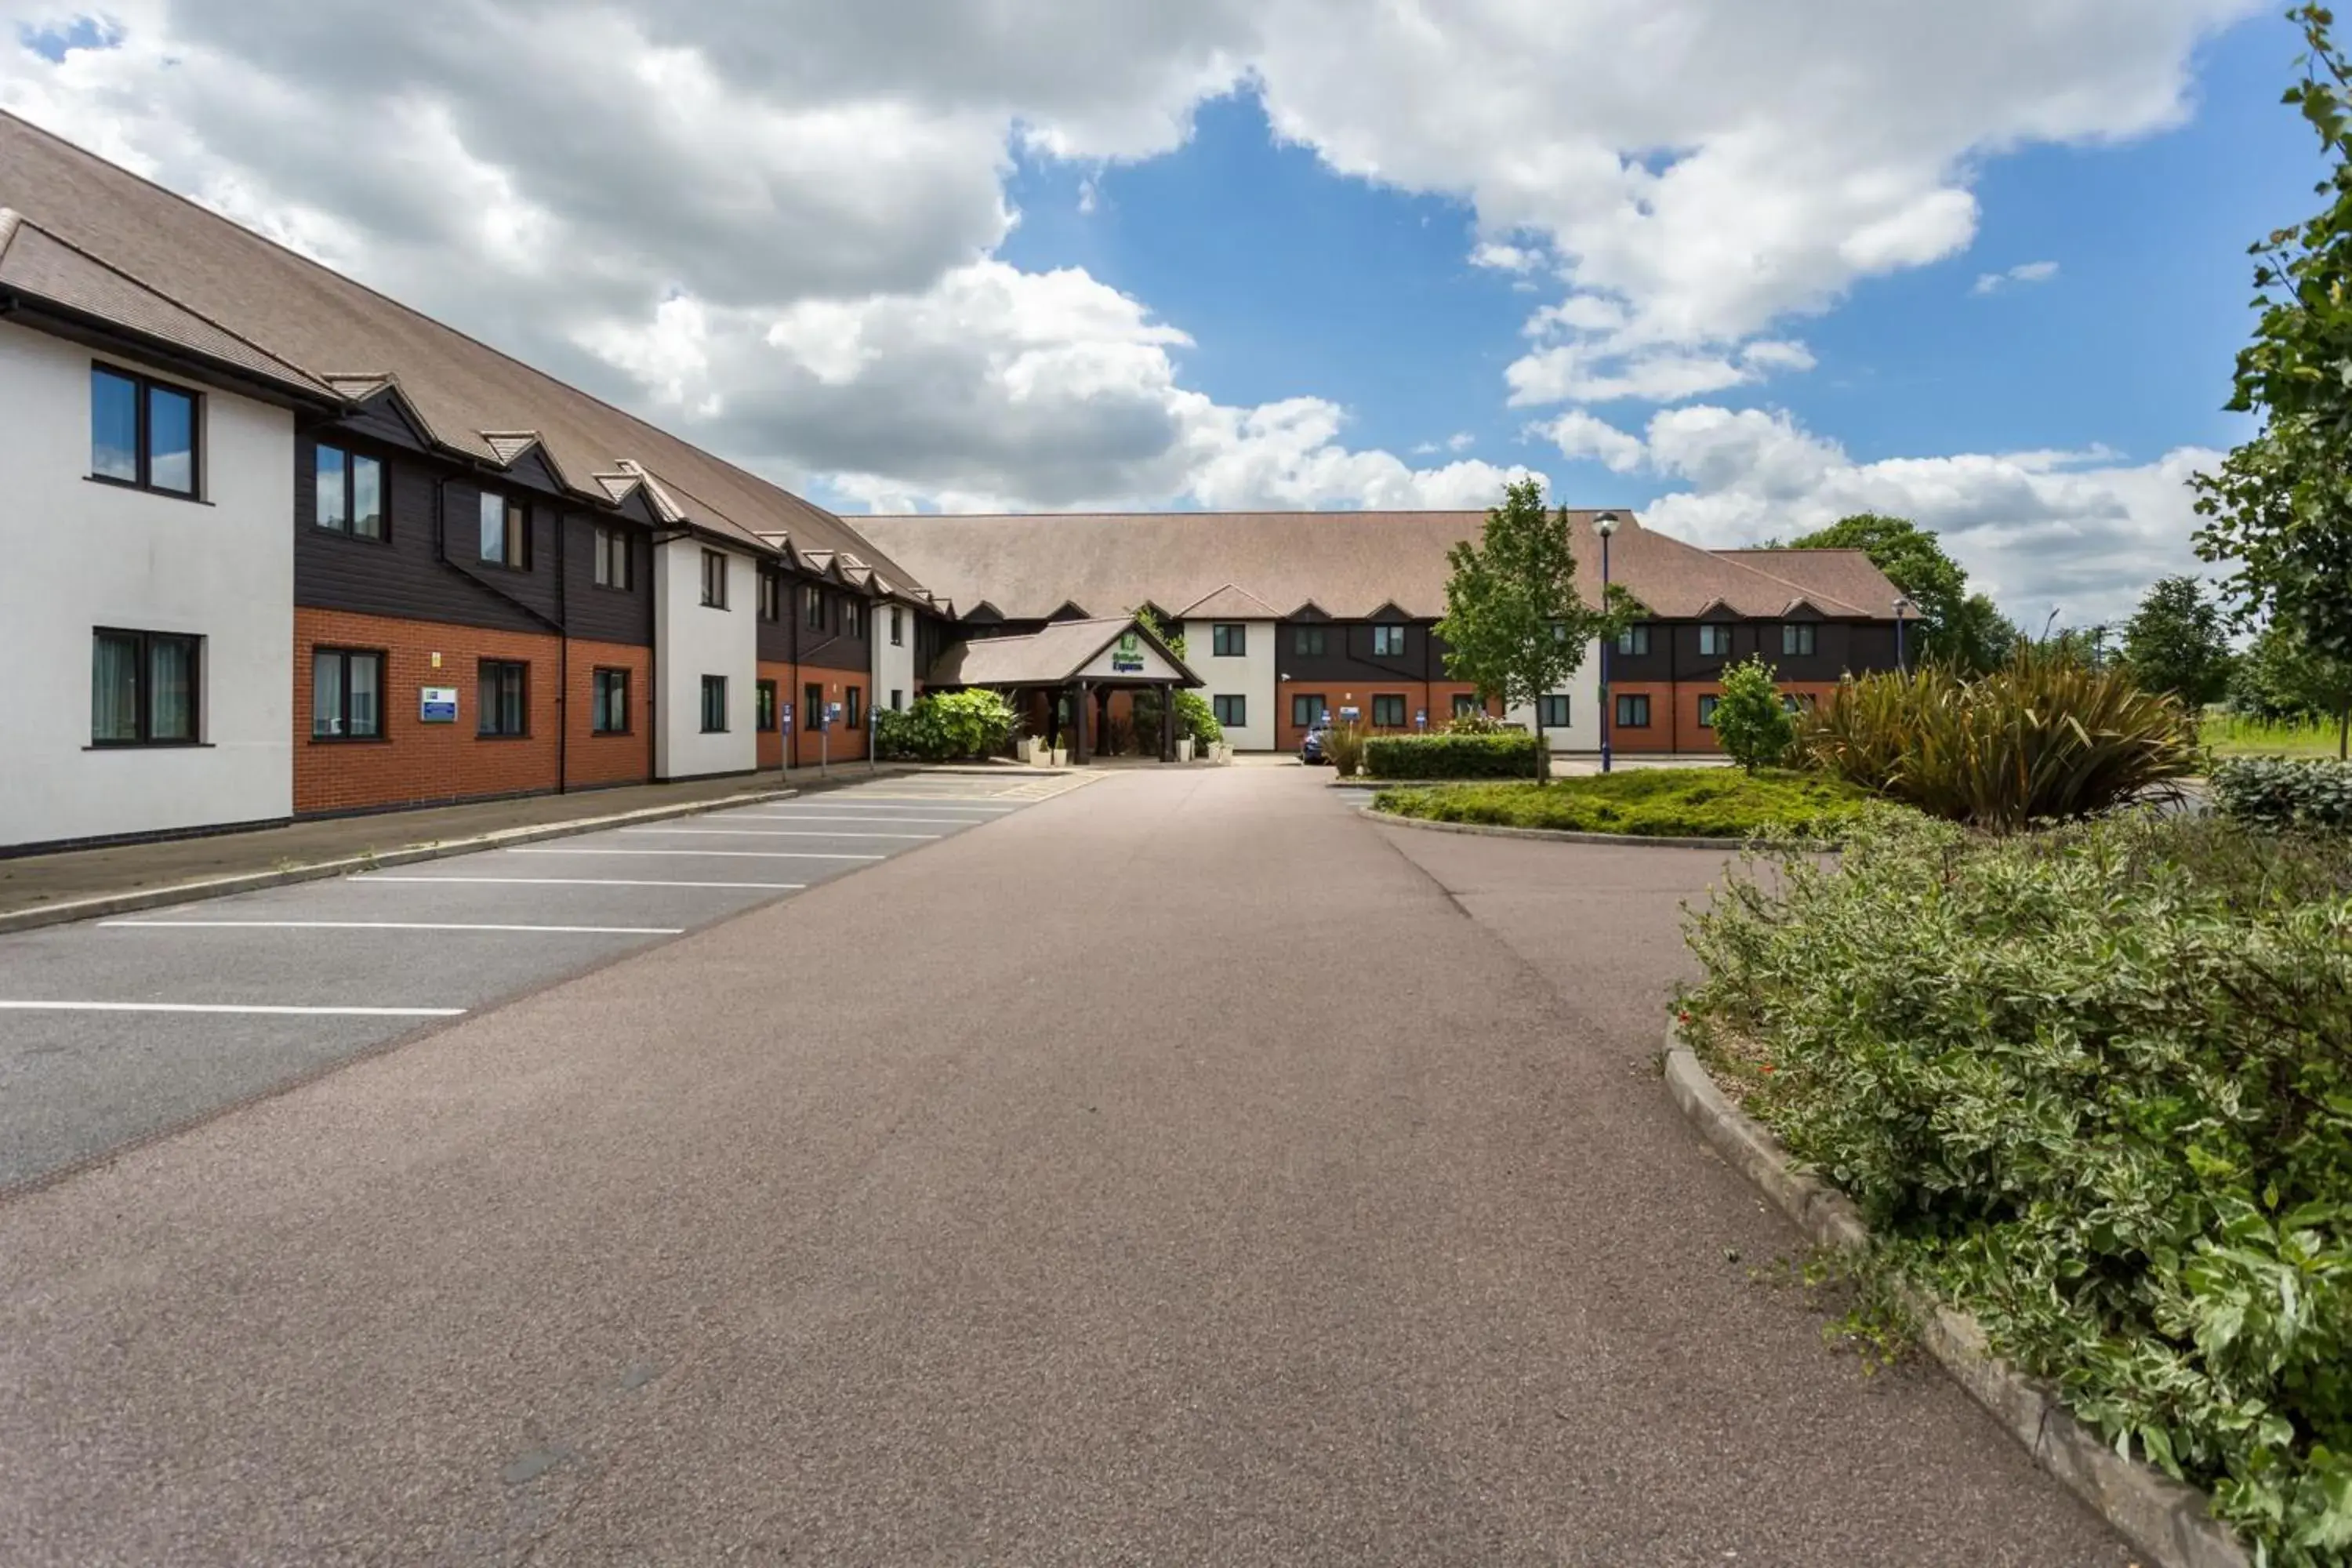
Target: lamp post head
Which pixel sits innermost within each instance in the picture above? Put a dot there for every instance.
(1903, 608)
(1605, 524)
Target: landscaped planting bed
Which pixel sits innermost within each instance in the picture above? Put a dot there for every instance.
(2092, 1086)
(1650, 803)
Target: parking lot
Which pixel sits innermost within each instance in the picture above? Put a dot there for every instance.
(113, 1030)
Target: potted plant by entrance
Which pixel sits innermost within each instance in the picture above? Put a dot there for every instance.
(1183, 748)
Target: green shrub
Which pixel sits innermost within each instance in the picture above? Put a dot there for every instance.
(1660, 803)
(1750, 724)
(1511, 753)
(1343, 747)
(2300, 791)
(1473, 722)
(946, 726)
(2045, 737)
(2093, 1086)
(1196, 718)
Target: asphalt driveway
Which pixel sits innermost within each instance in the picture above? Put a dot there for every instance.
(1184, 1170)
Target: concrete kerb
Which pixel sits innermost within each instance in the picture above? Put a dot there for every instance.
(319, 870)
(2161, 1517)
(1550, 835)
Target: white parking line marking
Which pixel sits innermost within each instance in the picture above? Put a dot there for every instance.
(372, 878)
(388, 925)
(968, 802)
(733, 854)
(229, 1007)
(778, 833)
(812, 817)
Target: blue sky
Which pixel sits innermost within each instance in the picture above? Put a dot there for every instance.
(1715, 260)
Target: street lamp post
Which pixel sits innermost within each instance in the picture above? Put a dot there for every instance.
(1604, 525)
(1902, 607)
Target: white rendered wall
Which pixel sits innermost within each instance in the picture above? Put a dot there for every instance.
(1252, 675)
(894, 668)
(1582, 733)
(82, 555)
(691, 639)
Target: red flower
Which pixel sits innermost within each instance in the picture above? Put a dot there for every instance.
(1766, 1067)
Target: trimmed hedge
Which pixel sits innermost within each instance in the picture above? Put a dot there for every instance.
(1509, 755)
(1650, 803)
(2285, 792)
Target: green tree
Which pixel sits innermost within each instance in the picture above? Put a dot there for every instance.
(2279, 509)
(2281, 677)
(2176, 642)
(1752, 724)
(1515, 625)
(1954, 625)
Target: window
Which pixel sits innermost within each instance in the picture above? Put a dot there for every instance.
(609, 702)
(813, 609)
(1799, 701)
(812, 706)
(1633, 712)
(714, 579)
(614, 563)
(1465, 704)
(1388, 712)
(772, 596)
(898, 698)
(714, 704)
(1228, 639)
(849, 714)
(1707, 712)
(142, 432)
(1797, 637)
(1633, 639)
(346, 695)
(764, 706)
(848, 620)
(350, 491)
(143, 688)
(1559, 630)
(1232, 710)
(1306, 639)
(1551, 710)
(506, 531)
(504, 711)
(1307, 708)
(897, 634)
(1388, 642)
(1714, 639)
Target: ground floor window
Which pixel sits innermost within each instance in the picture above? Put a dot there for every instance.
(346, 694)
(714, 704)
(609, 702)
(504, 691)
(142, 687)
(1307, 708)
(1465, 704)
(813, 703)
(1388, 712)
(1799, 701)
(1231, 711)
(1551, 710)
(898, 696)
(1707, 712)
(1633, 711)
(849, 714)
(766, 705)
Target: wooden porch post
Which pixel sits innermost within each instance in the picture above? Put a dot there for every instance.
(1168, 723)
(1079, 718)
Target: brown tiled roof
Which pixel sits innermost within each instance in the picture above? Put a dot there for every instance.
(1046, 657)
(291, 312)
(1346, 563)
(1232, 603)
(38, 266)
(1848, 575)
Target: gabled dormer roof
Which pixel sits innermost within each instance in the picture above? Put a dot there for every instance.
(1231, 603)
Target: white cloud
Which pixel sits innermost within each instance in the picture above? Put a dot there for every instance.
(1579, 371)
(2023, 272)
(2039, 530)
(1505, 257)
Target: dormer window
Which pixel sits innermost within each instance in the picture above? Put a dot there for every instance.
(505, 532)
(1714, 639)
(350, 492)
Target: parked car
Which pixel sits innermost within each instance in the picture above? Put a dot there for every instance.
(1310, 749)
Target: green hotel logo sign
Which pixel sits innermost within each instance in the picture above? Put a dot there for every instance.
(1127, 655)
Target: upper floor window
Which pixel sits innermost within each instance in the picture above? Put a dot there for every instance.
(142, 432)
(772, 596)
(615, 561)
(1714, 639)
(1306, 639)
(1228, 639)
(848, 617)
(506, 531)
(714, 579)
(1633, 639)
(143, 688)
(1798, 636)
(813, 608)
(349, 487)
(1388, 642)
(897, 632)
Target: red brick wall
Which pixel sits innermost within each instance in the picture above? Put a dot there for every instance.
(1674, 712)
(844, 744)
(416, 764)
(1435, 695)
(788, 686)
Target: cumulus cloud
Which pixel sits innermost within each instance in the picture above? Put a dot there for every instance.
(2024, 272)
(2078, 531)
(777, 226)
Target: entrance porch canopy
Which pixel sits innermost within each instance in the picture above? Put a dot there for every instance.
(1089, 660)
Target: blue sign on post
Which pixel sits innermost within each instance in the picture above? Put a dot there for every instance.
(831, 712)
(785, 718)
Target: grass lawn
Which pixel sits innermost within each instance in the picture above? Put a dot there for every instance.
(2237, 735)
(1652, 803)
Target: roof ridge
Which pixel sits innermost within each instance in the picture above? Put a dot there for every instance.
(1818, 598)
(10, 221)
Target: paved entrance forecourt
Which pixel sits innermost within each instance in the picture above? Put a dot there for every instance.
(1181, 1169)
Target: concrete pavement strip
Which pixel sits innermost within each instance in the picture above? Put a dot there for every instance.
(2162, 1517)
